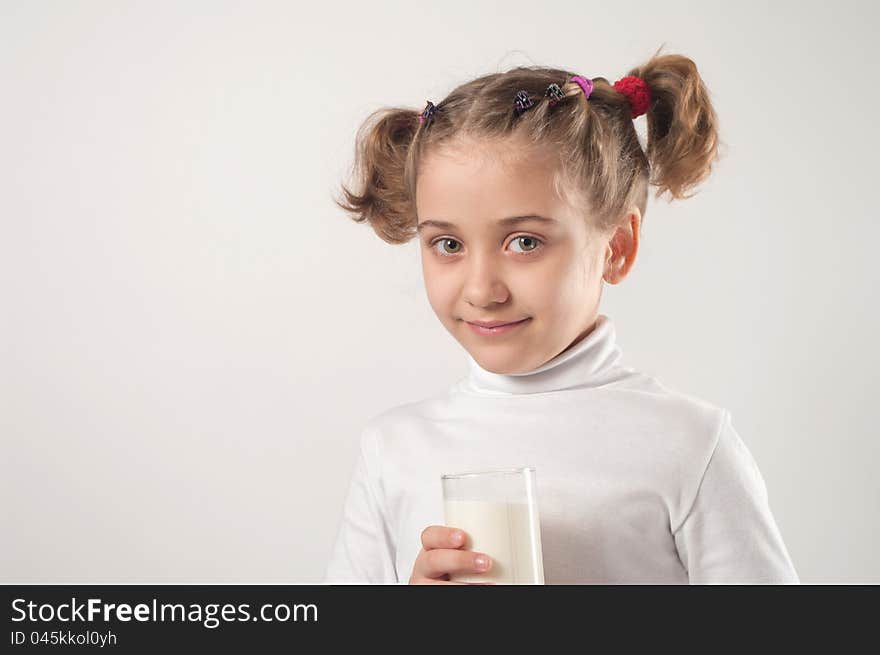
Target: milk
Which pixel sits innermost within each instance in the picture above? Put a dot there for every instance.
(506, 532)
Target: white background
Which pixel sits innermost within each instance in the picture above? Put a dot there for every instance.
(192, 335)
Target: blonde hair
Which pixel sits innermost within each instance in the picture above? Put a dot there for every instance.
(602, 167)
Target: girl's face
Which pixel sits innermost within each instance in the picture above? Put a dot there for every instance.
(480, 265)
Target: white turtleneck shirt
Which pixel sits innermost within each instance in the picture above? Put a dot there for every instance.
(636, 483)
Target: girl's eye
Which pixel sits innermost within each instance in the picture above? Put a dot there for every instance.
(530, 243)
(446, 240)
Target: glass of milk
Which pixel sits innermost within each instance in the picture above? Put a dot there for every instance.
(499, 512)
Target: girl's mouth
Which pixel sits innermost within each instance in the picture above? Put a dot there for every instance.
(501, 329)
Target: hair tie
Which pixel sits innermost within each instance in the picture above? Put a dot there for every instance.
(428, 112)
(522, 101)
(637, 92)
(555, 93)
(585, 83)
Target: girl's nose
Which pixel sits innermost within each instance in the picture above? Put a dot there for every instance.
(484, 285)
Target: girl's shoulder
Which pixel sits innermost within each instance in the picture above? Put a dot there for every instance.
(677, 410)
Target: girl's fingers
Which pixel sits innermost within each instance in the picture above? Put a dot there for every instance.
(441, 536)
(442, 554)
(440, 561)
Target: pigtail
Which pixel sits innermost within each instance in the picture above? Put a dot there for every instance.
(682, 137)
(379, 194)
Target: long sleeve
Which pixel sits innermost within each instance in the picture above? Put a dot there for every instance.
(729, 536)
(363, 552)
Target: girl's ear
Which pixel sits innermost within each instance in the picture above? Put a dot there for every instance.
(623, 247)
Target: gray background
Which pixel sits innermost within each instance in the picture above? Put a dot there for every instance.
(193, 335)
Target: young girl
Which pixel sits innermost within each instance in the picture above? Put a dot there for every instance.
(526, 191)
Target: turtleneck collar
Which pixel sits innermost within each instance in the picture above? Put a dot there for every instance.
(585, 364)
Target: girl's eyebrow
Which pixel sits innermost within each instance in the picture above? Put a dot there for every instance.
(511, 220)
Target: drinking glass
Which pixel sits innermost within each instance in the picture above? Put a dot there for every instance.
(499, 512)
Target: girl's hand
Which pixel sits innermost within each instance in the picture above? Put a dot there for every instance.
(441, 555)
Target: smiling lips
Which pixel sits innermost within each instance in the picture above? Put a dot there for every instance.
(495, 327)
(491, 324)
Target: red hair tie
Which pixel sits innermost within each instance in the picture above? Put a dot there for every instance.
(636, 91)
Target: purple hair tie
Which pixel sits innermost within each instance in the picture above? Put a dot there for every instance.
(522, 101)
(428, 112)
(585, 83)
